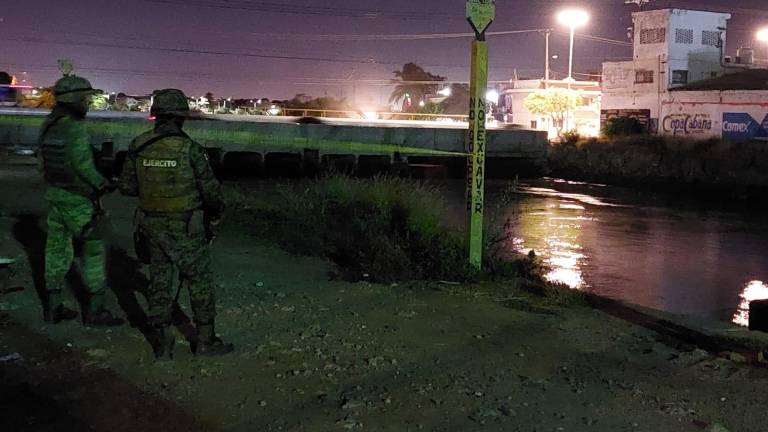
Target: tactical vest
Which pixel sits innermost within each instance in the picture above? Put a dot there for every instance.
(53, 149)
(165, 176)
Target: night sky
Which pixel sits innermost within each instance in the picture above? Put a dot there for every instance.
(279, 48)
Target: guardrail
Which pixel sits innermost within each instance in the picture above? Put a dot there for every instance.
(297, 112)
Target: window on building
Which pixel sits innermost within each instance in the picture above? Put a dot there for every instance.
(653, 36)
(684, 36)
(679, 77)
(710, 38)
(534, 124)
(643, 76)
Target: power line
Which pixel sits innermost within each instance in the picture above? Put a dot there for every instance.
(324, 11)
(374, 37)
(191, 51)
(369, 60)
(384, 37)
(289, 80)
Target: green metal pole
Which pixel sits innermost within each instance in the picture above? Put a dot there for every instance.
(476, 161)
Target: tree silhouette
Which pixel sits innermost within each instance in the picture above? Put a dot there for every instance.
(412, 85)
(209, 98)
(458, 102)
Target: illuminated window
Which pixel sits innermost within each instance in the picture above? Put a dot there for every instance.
(643, 76)
(653, 36)
(710, 38)
(684, 36)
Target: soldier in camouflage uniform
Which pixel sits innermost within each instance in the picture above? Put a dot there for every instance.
(178, 197)
(74, 187)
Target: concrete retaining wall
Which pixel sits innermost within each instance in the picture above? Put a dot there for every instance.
(269, 135)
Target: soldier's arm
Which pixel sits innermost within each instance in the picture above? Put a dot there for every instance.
(81, 157)
(128, 183)
(207, 184)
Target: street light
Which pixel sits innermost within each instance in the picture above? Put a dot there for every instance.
(492, 96)
(762, 35)
(572, 18)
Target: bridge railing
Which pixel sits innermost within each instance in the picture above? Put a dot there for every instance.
(322, 113)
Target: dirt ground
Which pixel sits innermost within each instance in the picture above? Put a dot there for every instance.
(314, 354)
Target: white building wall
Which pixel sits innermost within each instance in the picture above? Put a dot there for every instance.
(715, 114)
(657, 20)
(666, 41)
(622, 90)
(699, 57)
(585, 119)
(677, 39)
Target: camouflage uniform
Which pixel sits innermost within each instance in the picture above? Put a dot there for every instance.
(73, 184)
(171, 175)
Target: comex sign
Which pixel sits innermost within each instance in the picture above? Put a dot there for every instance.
(742, 126)
(687, 124)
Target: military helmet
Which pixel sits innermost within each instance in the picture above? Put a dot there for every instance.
(72, 89)
(170, 102)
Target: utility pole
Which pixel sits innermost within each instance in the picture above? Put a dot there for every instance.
(480, 14)
(547, 33)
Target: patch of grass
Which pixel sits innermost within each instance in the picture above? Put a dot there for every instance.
(382, 229)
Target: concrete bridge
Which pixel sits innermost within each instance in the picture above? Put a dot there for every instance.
(253, 142)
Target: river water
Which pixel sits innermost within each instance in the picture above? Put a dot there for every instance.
(651, 249)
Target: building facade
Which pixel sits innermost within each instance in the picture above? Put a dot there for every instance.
(585, 119)
(680, 83)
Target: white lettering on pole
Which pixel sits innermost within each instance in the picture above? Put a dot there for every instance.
(477, 148)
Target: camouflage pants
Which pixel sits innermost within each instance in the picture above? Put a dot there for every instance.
(178, 245)
(69, 219)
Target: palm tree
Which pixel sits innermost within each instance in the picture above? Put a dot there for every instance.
(412, 82)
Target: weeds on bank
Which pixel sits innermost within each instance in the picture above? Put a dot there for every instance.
(731, 169)
(382, 229)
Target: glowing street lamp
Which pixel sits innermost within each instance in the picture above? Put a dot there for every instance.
(762, 35)
(572, 18)
(492, 96)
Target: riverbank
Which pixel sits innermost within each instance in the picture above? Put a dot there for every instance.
(726, 170)
(316, 354)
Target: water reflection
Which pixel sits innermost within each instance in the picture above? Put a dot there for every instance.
(554, 234)
(643, 249)
(755, 290)
(587, 199)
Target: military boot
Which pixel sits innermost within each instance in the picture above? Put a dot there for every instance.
(56, 310)
(58, 313)
(163, 343)
(208, 344)
(102, 318)
(97, 315)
